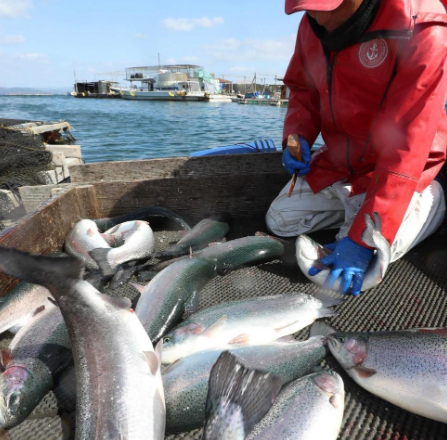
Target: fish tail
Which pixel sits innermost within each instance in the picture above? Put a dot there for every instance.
(100, 256)
(50, 272)
(321, 328)
(238, 397)
(329, 301)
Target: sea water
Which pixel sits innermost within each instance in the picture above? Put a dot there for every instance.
(118, 129)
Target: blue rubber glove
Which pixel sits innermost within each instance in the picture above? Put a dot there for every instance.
(291, 164)
(348, 260)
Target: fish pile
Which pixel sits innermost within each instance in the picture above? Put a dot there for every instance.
(161, 365)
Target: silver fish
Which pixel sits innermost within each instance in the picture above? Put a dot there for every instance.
(139, 243)
(164, 299)
(310, 408)
(255, 321)
(39, 350)
(83, 238)
(208, 230)
(309, 252)
(21, 304)
(407, 368)
(119, 393)
(238, 398)
(186, 381)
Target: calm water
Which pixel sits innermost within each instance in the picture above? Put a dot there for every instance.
(115, 129)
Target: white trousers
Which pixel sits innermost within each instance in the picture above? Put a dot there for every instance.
(306, 212)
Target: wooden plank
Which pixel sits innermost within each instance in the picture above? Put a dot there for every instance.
(88, 204)
(33, 196)
(177, 167)
(69, 151)
(244, 196)
(44, 231)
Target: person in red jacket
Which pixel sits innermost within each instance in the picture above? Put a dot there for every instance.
(370, 76)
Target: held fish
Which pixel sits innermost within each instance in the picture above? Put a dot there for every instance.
(150, 213)
(206, 231)
(139, 243)
(255, 321)
(119, 393)
(309, 252)
(38, 351)
(164, 300)
(310, 408)
(83, 238)
(407, 368)
(238, 398)
(21, 304)
(186, 381)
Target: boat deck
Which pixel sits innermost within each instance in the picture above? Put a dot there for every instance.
(413, 293)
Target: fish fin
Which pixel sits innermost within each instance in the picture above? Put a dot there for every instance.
(5, 356)
(139, 287)
(336, 401)
(90, 232)
(241, 339)
(118, 302)
(153, 361)
(216, 327)
(100, 256)
(192, 305)
(329, 301)
(232, 385)
(321, 328)
(39, 309)
(365, 372)
(121, 277)
(50, 272)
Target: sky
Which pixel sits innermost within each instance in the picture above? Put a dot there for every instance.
(43, 43)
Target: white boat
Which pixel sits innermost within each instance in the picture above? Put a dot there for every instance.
(184, 82)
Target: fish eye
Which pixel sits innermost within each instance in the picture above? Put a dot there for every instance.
(341, 339)
(14, 402)
(166, 340)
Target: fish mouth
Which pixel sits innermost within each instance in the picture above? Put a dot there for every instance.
(310, 249)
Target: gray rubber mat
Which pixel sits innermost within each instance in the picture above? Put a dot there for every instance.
(413, 294)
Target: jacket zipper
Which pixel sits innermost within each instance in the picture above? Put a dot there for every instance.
(330, 69)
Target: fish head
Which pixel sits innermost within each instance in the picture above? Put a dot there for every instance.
(350, 349)
(180, 342)
(309, 252)
(13, 396)
(331, 383)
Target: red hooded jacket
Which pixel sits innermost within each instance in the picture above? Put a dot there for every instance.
(379, 106)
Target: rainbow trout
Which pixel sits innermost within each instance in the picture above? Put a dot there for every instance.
(206, 231)
(119, 392)
(255, 321)
(407, 368)
(21, 304)
(139, 243)
(309, 408)
(309, 252)
(186, 381)
(38, 351)
(238, 398)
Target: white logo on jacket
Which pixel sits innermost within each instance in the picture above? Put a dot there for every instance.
(373, 53)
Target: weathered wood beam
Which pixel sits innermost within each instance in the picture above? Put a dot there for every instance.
(177, 167)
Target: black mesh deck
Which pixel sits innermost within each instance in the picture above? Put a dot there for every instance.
(413, 294)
